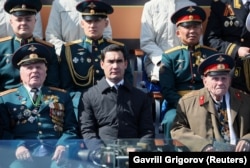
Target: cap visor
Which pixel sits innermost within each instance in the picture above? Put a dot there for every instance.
(23, 13)
(190, 23)
(217, 73)
(93, 17)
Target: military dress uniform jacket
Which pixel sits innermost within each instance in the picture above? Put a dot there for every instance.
(80, 64)
(107, 115)
(64, 24)
(9, 75)
(178, 72)
(226, 31)
(49, 122)
(197, 123)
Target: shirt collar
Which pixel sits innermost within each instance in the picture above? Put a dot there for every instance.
(111, 84)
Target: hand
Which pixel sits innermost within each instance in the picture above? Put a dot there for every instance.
(59, 154)
(242, 146)
(208, 148)
(22, 153)
(243, 51)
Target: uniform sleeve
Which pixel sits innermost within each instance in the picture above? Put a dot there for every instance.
(52, 78)
(167, 81)
(64, 72)
(182, 132)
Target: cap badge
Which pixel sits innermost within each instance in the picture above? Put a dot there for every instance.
(92, 5)
(220, 66)
(32, 48)
(92, 11)
(33, 56)
(191, 17)
(190, 9)
(220, 59)
(23, 6)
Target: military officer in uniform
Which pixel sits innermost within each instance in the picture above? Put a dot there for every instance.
(179, 64)
(226, 32)
(41, 118)
(216, 117)
(80, 60)
(22, 19)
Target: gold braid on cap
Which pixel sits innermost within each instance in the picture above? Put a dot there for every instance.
(86, 80)
(94, 13)
(32, 57)
(23, 9)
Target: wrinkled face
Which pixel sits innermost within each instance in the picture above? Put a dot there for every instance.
(94, 28)
(114, 66)
(33, 75)
(23, 26)
(189, 35)
(217, 85)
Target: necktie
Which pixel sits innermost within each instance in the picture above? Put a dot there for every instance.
(23, 42)
(35, 96)
(224, 127)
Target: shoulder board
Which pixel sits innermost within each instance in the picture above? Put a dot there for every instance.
(8, 91)
(5, 38)
(58, 89)
(73, 42)
(115, 42)
(190, 94)
(44, 42)
(210, 48)
(173, 49)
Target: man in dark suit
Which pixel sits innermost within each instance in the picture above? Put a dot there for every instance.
(114, 109)
(40, 120)
(23, 19)
(226, 32)
(215, 114)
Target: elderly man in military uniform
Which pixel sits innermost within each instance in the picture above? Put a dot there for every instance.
(80, 60)
(226, 31)
(179, 64)
(216, 117)
(23, 19)
(41, 119)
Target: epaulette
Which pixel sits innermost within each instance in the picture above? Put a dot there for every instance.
(8, 91)
(115, 42)
(5, 38)
(191, 94)
(44, 42)
(173, 49)
(203, 46)
(58, 89)
(73, 42)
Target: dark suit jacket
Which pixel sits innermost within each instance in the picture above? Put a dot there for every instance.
(107, 115)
